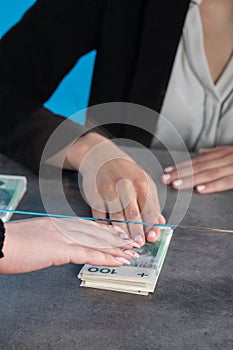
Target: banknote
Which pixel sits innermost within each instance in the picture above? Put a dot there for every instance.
(12, 189)
(139, 277)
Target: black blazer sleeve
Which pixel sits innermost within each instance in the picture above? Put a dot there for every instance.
(34, 57)
(2, 237)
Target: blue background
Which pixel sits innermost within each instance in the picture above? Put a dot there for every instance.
(73, 92)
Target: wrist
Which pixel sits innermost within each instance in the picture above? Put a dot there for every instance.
(80, 148)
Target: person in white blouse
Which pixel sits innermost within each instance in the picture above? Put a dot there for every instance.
(199, 103)
(199, 99)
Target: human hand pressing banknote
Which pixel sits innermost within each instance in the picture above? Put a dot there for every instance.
(39, 243)
(115, 184)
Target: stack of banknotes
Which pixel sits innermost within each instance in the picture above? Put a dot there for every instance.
(12, 189)
(140, 277)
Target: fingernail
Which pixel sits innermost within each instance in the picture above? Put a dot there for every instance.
(138, 239)
(136, 245)
(151, 234)
(124, 235)
(168, 169)
(136, 255)
(200, 188)
(132, 253)
(129, 252)
(123, 260)
(166, 177)
(178, 183)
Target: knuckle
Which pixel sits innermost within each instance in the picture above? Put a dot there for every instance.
(217, 172)
(125, 187)
(193, 166)
(132, 213)
(198, 167)
(117, 216)
(141, 184)
(150, 214)
(108, 186)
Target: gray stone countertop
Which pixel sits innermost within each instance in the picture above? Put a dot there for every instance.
(192, 307)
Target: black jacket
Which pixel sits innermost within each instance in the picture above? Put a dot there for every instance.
(136, 42)
(2, 237)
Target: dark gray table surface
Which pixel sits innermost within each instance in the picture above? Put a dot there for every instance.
(192, 307)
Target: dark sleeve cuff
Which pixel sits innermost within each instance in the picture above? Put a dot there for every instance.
(2, 237)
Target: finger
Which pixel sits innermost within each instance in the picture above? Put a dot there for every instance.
(212, 149)
(131, 211)
(104, 226)
(125, 243)
(92, 236)
(115, 230)
(202, 178)
(124, 253)
(221, 151)
(99, 214)
(95, 223)
(200, 167)
(168, 178)
(129, 242)
(153, 233)
(114, 206)
(107, 193)
(136, 231)
(206, 150)
(94, 199)
(150, 210)
(116, 213)
(220, 185)
(97, 205)
(80, 255)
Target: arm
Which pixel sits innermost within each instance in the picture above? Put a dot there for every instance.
(211, 171)
(34, 57)
(39, 243)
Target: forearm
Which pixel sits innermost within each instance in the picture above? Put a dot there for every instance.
(21, 251)
(57, 30)
(79, 149)
(43, 242)
(71, 156)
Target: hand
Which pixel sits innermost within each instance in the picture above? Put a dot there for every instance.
(113, 183)
(39, 243)
(211, 171)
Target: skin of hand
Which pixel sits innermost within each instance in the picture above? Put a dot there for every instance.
(211, 171)
(39, 243)
(109, 174)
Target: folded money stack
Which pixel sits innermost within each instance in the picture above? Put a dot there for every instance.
(12, 189)
(140, 277)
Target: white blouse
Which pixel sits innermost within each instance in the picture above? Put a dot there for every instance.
(201, 111)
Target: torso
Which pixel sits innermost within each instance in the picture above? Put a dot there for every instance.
(198, 105)
(217, 24)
